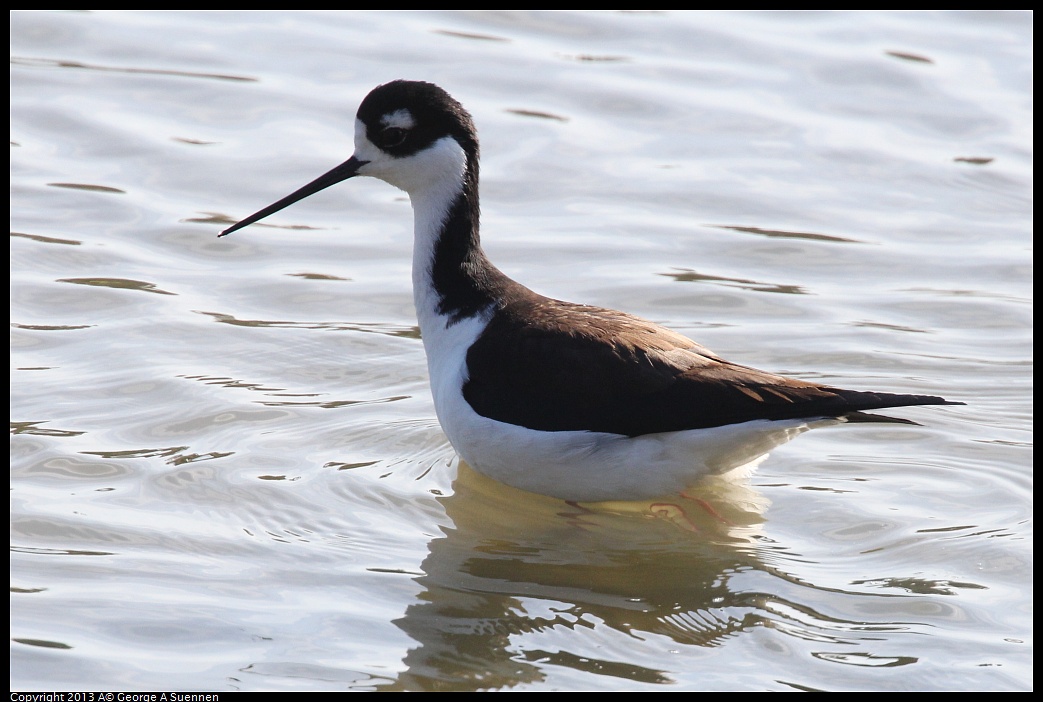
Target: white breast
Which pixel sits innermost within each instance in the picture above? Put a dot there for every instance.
(582, 466)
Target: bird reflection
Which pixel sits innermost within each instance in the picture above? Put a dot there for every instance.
(514, 564)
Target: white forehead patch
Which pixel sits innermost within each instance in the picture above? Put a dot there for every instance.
(401, 119)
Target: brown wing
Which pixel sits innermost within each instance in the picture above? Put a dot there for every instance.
(554, 366)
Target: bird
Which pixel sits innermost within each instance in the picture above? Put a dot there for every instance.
(572, 401)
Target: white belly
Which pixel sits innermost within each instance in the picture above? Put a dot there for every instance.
(584, 466)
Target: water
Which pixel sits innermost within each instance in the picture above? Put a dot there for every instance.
(226, 469)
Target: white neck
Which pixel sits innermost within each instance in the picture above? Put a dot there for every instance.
(444, 165)
(433, 178)
(445, 343)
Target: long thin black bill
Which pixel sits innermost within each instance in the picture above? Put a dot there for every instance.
(344, 171)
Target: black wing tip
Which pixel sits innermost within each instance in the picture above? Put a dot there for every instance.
(897, 402)
(915, 400)
(860, 400)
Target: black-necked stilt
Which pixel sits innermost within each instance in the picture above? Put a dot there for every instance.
(568, 400)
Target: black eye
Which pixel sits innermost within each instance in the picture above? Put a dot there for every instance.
(393, 136)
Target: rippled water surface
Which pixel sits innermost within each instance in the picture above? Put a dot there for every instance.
(226, 471)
